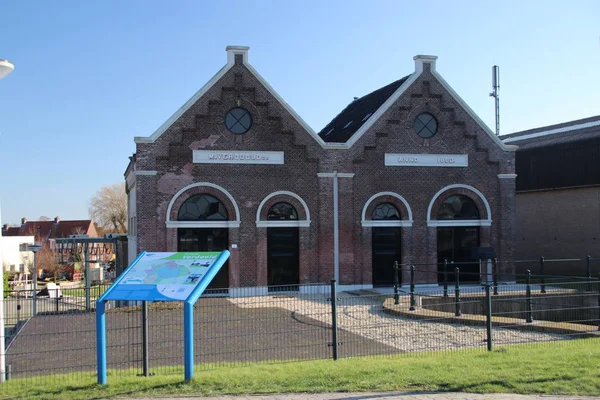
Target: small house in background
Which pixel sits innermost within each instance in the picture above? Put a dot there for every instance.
(558, 193)
(45, 233)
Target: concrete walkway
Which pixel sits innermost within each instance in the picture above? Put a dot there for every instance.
(379, 396)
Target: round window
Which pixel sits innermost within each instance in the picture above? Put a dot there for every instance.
(238, 120)
(426, 125)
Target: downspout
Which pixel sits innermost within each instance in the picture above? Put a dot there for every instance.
(336, 230)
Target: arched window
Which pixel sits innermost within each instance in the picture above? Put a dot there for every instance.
(385, 211)
(458, 207)
(202, 207)
(282, 212)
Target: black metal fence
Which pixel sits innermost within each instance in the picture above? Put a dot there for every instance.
(308, 322)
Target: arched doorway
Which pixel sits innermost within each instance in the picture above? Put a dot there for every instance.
(206, 208)
(457, 238)
(386, 244)
(283, 249)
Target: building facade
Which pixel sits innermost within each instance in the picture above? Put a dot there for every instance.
(558, 194)
(407, 173)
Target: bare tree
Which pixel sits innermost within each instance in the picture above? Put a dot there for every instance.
(47, 261)
(44, 218)
(109, 208)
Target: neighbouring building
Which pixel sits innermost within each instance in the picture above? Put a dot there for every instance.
(45, 233)
(558, 194)
(15, 256)
(406, 173)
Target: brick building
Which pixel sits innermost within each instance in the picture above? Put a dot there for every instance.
(558, 194)
(407, 172)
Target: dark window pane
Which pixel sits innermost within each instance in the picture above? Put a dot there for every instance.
(385, 211)
(458, 207)
(425, 125)
(282, 211)
(238, 120)
(202, 207)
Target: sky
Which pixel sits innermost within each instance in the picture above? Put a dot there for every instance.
(91, 75)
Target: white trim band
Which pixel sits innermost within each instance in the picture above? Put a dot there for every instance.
(389, 223)
(146, 173)
(458, 222)
(282, 224)
(203, 224)
(339, 175)
(507, 176)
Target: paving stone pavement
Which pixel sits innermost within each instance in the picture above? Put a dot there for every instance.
(379, 396)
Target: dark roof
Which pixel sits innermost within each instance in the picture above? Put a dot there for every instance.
(566, 132)
(44, 230)
(342, 127)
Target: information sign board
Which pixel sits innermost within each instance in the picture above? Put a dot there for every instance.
(163, 276)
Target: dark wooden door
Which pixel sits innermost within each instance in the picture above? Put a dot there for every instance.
(386, 250)
(283, 261)
(207, 239)
(455, 244)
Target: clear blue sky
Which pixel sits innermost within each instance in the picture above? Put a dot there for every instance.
(91, 75)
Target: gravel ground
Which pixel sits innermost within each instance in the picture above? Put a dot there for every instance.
(365, 316)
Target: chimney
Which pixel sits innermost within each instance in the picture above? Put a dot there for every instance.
(5, 227)
(56, 220)
(420, 60)
(233, 51)
(23, 221)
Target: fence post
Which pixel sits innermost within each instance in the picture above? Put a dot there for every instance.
(146, 371)
(495, 272)
(412, 288)
(543, 280)
(599, 301)
(589, 273)
(334, 333)
(488, 316)
(529, 317)
(396, 282)
(9, 372)
(445, 277)
(457, 292)
(56, 296)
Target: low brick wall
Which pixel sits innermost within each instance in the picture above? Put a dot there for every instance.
(571, 306)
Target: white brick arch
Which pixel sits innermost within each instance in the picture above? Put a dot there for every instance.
(300, 223)
(403, 222)
(235, 223)
(476, 222)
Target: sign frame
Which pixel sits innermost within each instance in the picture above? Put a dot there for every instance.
(188, 312)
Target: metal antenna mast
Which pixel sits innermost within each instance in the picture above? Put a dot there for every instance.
(495, 95)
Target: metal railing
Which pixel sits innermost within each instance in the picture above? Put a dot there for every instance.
(303, 322)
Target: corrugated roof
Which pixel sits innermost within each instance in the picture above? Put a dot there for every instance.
(566, 132)
(349, 121)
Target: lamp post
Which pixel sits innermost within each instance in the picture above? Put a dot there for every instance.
(34, 248)
(6, 67)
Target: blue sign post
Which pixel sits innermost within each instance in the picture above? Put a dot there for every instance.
(161, 277)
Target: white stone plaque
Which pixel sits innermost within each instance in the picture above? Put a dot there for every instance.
(426, 160)
(237, 157)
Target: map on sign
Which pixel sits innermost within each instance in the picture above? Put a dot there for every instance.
(163, 276)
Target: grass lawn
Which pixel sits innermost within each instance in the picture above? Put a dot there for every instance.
(559, 368)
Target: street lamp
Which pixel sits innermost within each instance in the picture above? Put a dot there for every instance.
(6, 67)
(34, 248)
